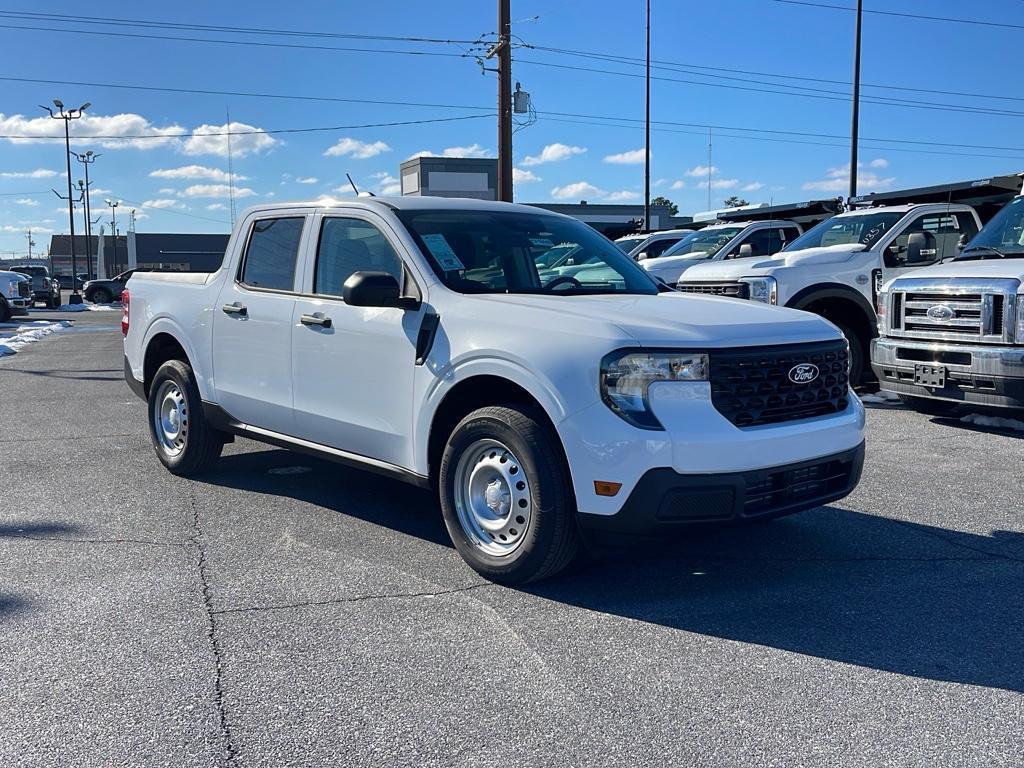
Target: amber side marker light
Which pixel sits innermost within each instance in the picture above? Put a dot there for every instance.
(604, 488)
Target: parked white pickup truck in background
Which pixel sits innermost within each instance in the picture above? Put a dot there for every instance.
(953, 334)
(836, 268)
(651, 245)
(417, 337)
(15, 295)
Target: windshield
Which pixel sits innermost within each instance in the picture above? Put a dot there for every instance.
(704, 243)
(864, 229)
(514, 252)
(37, 271)
(629, 243)
(1002, 236)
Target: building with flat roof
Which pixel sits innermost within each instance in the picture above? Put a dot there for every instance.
(167, 250)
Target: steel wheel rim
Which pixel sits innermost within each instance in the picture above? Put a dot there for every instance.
(492, 498)
(170, 418)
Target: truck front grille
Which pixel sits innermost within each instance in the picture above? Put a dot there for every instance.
(768, 385)
(955, 310)
(735, 290)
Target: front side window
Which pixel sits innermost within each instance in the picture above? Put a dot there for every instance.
(704, 243)
(515, 252)
(348, 246)
(658, 247)
(759, 241)
(271, 254)
(942, 233)
(863, 228)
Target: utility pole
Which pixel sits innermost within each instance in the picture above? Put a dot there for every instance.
(647, 131)
(710, 169)
(855, 121)
(83, 195)
(87, 159)
(31, 242)
(67, 117)
(113, 226)
(504, 52)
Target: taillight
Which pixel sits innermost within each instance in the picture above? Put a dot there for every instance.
(125, 300)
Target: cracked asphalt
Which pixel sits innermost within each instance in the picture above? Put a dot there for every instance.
(284, 611)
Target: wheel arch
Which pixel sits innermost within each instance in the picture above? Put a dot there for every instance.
(837, 301)
(166, 341)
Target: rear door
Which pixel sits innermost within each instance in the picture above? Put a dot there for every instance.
(353, 367)
(252, 335)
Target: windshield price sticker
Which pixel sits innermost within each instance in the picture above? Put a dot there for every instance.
(443, 252)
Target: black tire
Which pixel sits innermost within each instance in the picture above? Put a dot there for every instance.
(54, 302)
(5, 311)
(928, 406)
(101, 296)
(550, 540)
(201, 444)
(858, 352)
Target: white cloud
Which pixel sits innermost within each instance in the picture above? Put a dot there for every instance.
(624, 196)
(358, 150)
(702, 171)
(879, 162)
(421, 153)
(751, 187)
(215, 190)
(724, 183)
(660, 183)
(98, 191)
(92, 126)
(307, 180)
(213, 140)
(553, 153)
(632, 157)
(194, 172)
(21, 230)
(838, 180)
(167, 191)
(38, 173)
(519, 176)
(162, 203)
(577, 189)
(679, 184)
(473, 150)
(216, 207)
(271, 194)
(27, 201)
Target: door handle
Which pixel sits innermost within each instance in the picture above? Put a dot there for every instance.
(235, 309)
(317, 318)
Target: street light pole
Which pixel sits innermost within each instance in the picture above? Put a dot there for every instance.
(67, 117)
(855, 120)
(113, 224)
(87, 159)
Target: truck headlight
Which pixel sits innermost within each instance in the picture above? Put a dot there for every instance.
(627, 374)
(763, 289)
(1019, 330)
(881, 311)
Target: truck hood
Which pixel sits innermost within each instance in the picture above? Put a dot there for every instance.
(736, 268)
(987, 269)
(667, 319)
(683, 261)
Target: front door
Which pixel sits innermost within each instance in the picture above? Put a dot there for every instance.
(353, 367)
(252, 334)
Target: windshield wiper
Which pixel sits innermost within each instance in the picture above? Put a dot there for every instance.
(983, 248)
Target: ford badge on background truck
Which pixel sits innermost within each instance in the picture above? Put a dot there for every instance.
(418, 337)
(953, 334)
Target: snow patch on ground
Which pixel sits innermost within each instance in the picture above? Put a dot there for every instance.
(25, 334)
(880, 398)
(980, 420)
(83, 307)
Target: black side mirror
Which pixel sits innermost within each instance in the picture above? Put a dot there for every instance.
(919, 250)
(375, 289)
(746, 251)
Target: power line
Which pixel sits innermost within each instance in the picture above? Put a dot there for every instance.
(253, 132)
(903, 15)
(137, 204)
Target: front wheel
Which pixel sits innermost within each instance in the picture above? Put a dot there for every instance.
(506, 495)
(101, 296)
(54, 302)
(928, 406)
(857, 352)
(184, 440)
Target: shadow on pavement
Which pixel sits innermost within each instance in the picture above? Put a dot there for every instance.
(76, 374)
(32, 530)
(9, 605)
(890, 595)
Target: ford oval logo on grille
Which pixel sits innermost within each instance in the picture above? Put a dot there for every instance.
(941, 312)
(804, 373)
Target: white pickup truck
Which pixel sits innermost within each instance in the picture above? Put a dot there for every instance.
(834, 269)
(418, 337)
(15, 294)
(953, 334)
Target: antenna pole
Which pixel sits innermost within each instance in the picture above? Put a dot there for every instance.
(231, 171)
(709, 169)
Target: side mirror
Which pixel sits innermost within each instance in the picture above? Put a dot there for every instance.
(375, 289)
(641, 256)
(919, 250)
(962, 241)
(746, 251)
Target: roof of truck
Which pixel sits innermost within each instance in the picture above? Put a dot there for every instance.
(407, 202)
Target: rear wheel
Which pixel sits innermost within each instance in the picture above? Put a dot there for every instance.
(54, 302)
(184, 440)
(101, 296)
(5, 311)
(928, 406)
(506, 496)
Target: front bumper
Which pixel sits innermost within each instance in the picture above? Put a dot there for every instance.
(19, 305)
(975, 375)
(664, 499)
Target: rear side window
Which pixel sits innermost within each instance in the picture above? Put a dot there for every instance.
(271, 254)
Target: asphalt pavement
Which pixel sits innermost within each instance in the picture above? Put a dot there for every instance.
(286, 611)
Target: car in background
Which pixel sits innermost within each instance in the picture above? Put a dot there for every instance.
(45, 289)
(15, 295)
(654, 244)
(65, 281)
(107, 291)
(628, 242)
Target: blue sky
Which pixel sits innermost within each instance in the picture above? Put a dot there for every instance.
(733, 64)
